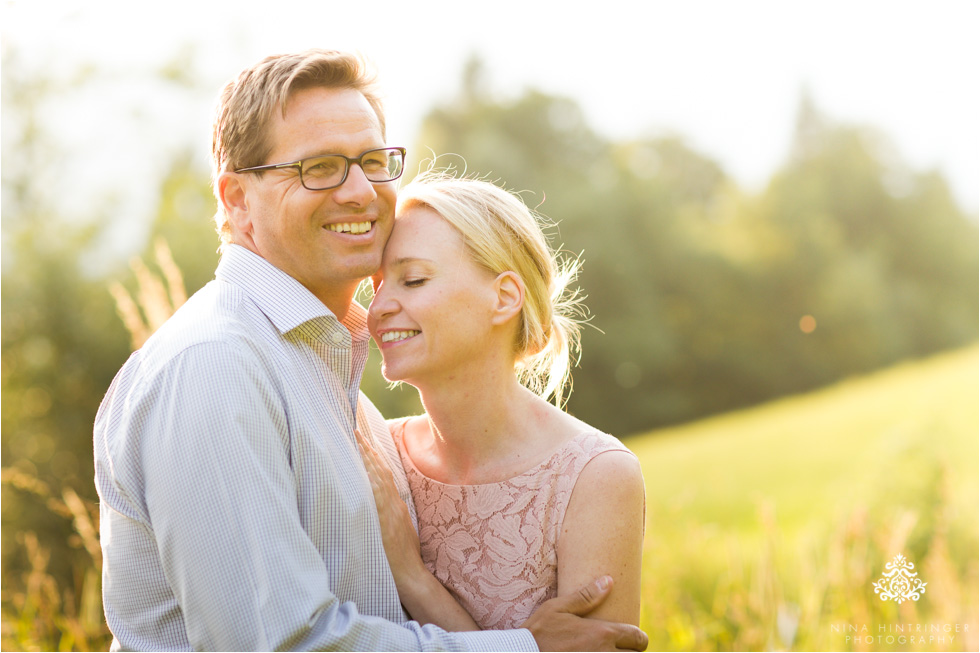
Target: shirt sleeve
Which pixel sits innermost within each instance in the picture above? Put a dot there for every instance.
(222, 502)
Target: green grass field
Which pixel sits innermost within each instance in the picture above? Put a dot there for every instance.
(767, 528)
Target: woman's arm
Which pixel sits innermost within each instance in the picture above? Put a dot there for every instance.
(421, 593)
(602, 533)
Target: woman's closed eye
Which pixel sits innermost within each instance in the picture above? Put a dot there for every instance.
(415, 282)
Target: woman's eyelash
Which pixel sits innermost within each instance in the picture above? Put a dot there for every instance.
(412, 283)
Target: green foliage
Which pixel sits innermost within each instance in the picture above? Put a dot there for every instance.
(184, 220)
(62, 343)
(708, 297)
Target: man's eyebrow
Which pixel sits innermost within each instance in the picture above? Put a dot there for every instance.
(313, 154)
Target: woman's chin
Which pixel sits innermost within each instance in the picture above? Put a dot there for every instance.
(394, 375)
(391, 374)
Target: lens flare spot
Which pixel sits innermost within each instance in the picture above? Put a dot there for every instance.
(628, 375)
(808, 323)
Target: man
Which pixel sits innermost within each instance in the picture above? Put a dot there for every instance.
(236, 513)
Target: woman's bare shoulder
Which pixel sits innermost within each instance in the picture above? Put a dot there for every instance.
(602, 530)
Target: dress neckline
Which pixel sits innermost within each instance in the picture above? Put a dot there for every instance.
(399, 432)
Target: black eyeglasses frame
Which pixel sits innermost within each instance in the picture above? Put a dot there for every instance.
(348, 161)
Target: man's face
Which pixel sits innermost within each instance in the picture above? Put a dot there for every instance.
(315, 236)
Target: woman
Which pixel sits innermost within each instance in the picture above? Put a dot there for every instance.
(517, 501)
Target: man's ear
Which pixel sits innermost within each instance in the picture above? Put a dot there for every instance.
(231, 191)
(510, 297)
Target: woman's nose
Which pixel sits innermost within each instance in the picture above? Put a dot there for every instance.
(383, 304)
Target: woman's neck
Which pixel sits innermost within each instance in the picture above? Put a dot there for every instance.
(478, 431)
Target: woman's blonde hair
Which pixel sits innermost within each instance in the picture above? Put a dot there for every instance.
(503, 235)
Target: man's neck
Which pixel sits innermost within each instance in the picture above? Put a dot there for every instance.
(337, 298)
(338, 302)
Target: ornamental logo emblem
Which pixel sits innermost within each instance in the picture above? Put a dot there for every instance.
(899, 582)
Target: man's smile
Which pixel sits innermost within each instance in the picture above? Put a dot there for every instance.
(351, 227)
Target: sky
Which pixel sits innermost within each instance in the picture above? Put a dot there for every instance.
(726, 76)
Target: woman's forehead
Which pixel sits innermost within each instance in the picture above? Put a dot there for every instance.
(421, 228)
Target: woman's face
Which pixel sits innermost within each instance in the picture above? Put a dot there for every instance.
(431, 314)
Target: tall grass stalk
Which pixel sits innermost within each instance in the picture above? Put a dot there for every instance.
(38, 615)
(156, 297)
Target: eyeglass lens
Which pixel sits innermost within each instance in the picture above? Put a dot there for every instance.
(322, 172)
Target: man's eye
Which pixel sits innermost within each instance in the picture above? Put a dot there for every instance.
(322, 167)
(374, 162)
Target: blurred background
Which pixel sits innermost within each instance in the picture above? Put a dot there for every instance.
(776, 203)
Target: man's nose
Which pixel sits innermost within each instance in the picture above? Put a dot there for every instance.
(357, 188)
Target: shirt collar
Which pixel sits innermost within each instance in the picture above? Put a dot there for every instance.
(284, 300)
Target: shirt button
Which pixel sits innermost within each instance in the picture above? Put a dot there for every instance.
(337, 337)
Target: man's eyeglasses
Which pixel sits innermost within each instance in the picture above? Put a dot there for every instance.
(330, 170)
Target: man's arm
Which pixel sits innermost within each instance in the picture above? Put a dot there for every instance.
(222, 503)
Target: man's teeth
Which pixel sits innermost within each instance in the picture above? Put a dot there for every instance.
(350, 227)
(394, 336)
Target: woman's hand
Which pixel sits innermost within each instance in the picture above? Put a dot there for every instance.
(401, 541)
(423, 596)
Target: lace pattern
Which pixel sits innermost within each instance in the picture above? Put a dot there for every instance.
(494, 545)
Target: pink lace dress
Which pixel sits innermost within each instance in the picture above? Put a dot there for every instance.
(494, 546)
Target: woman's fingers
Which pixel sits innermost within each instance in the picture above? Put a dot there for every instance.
(382, 480)
(398, 534)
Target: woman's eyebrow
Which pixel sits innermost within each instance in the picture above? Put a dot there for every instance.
(411, 259)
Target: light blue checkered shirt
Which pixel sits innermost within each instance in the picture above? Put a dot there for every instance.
(236, 513)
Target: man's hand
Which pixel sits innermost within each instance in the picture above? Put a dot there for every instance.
(558, 625)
